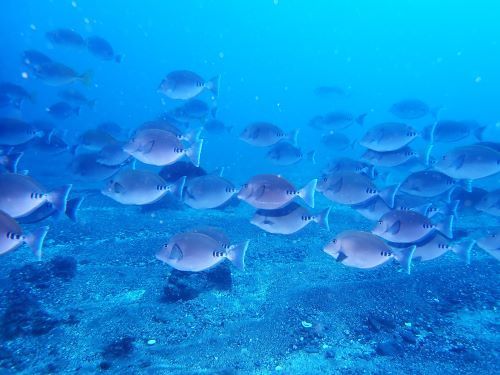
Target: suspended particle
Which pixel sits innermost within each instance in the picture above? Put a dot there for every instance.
(25, 75)
(74, 4)
(257, 97)
(478, 79)
(221, 55)
(33, 27)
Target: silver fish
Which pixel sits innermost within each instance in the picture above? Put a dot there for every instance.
(388, 136)
(390, 158)
(57, 74)
(439, 245)
(62, 110)
(100, 48)
(452, 131)
(284, 153)
(336, 141)
(430, 184)
(87, 167)
(490, 203)
(208, 191)
(349, 165)
(410, 109)
(65, 37)
(336, 120)
(183, 84)
(16, 132)
(14, 95)
(263, 134)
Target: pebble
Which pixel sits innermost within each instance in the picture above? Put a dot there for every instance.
(151, 342)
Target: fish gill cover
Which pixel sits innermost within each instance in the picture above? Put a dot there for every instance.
(249, 187)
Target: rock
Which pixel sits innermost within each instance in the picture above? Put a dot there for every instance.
(119, 348)
(388, 348)
(63, 267)
(105, 365)
(378, 323)
(330, 354)
(408, 336)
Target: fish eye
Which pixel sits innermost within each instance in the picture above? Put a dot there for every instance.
(380, 221)
(444, 157)
(334, 240)
(245, 186)
(325, 179)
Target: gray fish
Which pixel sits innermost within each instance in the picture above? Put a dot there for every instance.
(409, 226)
(112, 128)
(215, 126)
(491, 243)
(57, 74)
(65, 37)
(336, 120)
(411, 109)
(193, 109)
(448, 131)
(430, 184)
(16, 132)
(284, 153)
(95, 140)
(62, 110)
(388, 136)
(48, 210)
(158, 147)
(439, 245)
(289, 219)
(183, 84)
(490, 203)
(349, 165)
(76, 97)
(33, 59)
(140, 187)
(469, 162)
(113, 155)
(390, 158)
(263, 134)
(353, 188)
(364, 250)
(10, 161)
(14, 95)
(189, 135)
(198, 251)
(336, 142)
(87, 168)
(270, 192)
(11, 236)
(208, 191)
(20, 195)
(101, 49)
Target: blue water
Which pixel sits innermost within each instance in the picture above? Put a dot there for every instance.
(99, 300)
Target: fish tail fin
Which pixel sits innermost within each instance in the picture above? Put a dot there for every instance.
(118, 58)
(423, 209)
(192, 135)
(194, 152)
(35, 240)
(322, 218)
(427, 154)
(446, 227)
(403, 256)
(479, 133)
(87, 78)
(59, 198)
(308, 191)
(311, 156)
(292, 136)
(463, 250)
(466, 185)
(213, 85)
(177, 188)
(370, 171)
(389, 194)
(72, 207)
(10, 161)
(236, 254)
(361, 119)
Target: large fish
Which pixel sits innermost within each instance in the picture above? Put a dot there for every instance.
(430, 184)
(208, 191)
(490, 203)
(201, 250)
(264, 134)
(439, 245)
(284, 153)
(102, 49)
(390, 158)
(406, 226)
(190, 135)
(48, 210)
(62, 110)
(411, 109)
(88, 168)
(183, 84)
(33, 59)
(20, 195)
(353, 188)
(76, 97)
(469, 162)
(349, 165)
(140, 187)
(16, 132)
(491, 243)
(336, 120)
(14, 95)
(365, 250)
(57, 74)
(193, 109)
(388, 136)
(65, 37)
(159, 147)
(12, 236)
(336, 141)
(289, 219)
(269, 192)
(10, 161)
(452, 131)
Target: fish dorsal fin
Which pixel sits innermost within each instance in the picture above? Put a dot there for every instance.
(146, 148)
(176, 253)
(118, 188)
(458, 162)
(337, 186)
(341, 257)
(395, 227)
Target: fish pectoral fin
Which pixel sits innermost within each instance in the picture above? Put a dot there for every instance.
(394, 228)
(336, 187)
(268, 222)
(260, 191)
(176, 253)
(146, 147)
(341, 257)
(118, 188)
(458, 162)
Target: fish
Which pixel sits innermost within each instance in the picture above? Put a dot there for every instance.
(430, 183)
(47, 210)
(181, 168)
(411, 109)
(20, 195)
(440, 245)
(349, 165)
(208, 191)
(86, 167)
(12, 236)
(268, 191)
(264, 134)
(100, 48)
(365, 250)
(490, 203)
(353, 188)
(447, 131)
(184, 84)
(406, 226)
(113, 155)
(34, 59)
(16, 132)
(197, 251)
(62, 110)
(10, 161)
(289, 219)
(329, 91)
(284, 153)
(336, 141)
(136, 187)
(491, 243)
(14, 95)
(390, 158)
(65, 37)
(112, 128)
(388, 136)
(76, 97)
(94, 140)
(189, 135)
(193, 109)
(469, 162)
(215, 126)
(56, 74)
(159, 147)
(337, 120)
